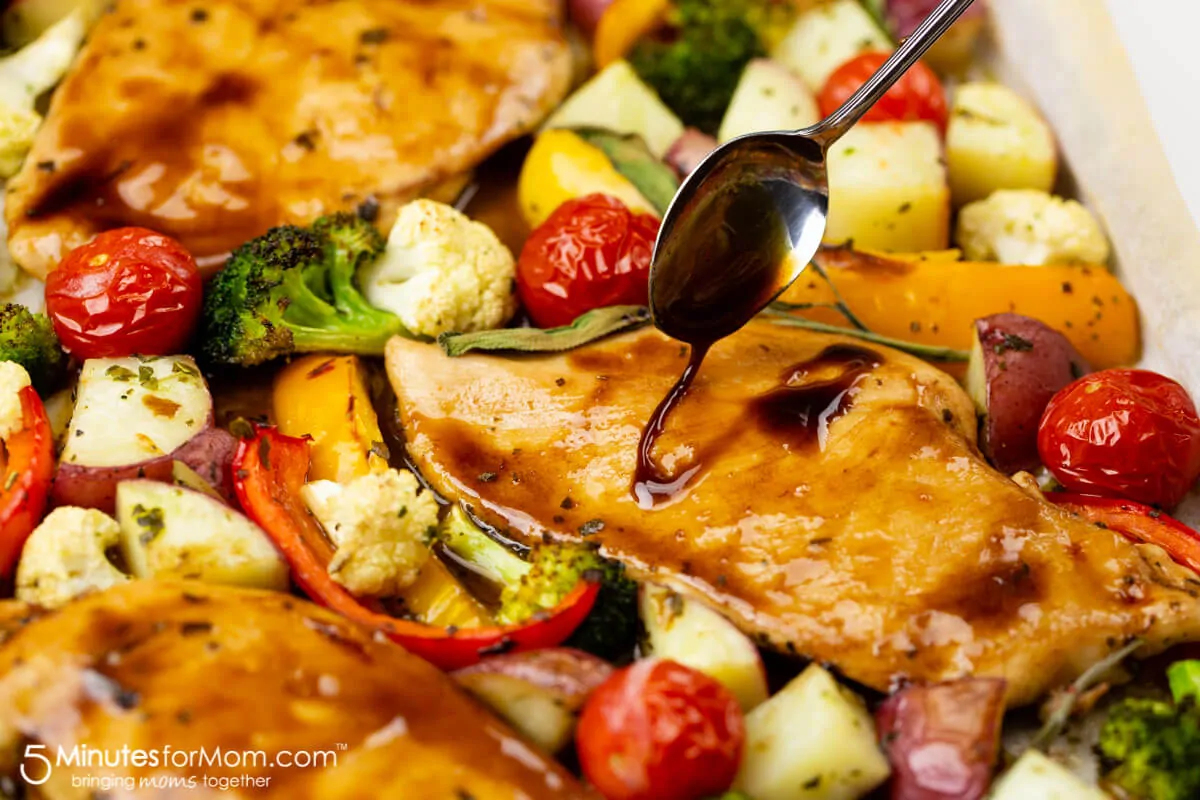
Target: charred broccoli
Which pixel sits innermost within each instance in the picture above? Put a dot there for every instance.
(1151, 748)
(292, 290)
(535, 584)
(28, 339)
(696, 65)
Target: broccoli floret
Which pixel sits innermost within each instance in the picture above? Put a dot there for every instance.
(292, 290)
(611, 630)
(535, 584)
(28, 339)
(696, 65)
(1151, 749)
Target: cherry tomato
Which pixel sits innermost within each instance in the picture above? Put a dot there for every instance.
(1123, 432)
(658, 730)
(917, 95)
(591, 252)
(127, 291)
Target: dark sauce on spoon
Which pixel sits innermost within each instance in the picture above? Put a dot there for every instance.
(727, 271)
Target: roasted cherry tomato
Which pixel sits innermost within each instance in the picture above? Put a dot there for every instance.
(917, 95)
(658, 730)
(1123, 432)
(591, 252)
(127, 291)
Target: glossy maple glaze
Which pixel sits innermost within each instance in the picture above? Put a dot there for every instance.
(191, 665)
(890, 549)
(214, 121)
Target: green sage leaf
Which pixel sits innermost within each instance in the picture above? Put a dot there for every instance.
(587, 328)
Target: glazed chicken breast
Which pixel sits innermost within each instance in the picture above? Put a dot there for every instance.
(213, 120)
(837, 507)
(190, 666)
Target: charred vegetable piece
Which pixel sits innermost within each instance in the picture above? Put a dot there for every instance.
(1017, 365)
(942, 740)
(270, 469)
(530, 586)
(539, 692)
(28, 339)
(292, 290)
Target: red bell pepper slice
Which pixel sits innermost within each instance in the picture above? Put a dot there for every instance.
(270, 469)
(28, 464)
(1136, 522)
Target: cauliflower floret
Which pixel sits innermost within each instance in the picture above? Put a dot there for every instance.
(381, 526)
(442, 272)
(65, 557)
(1027, 226)
(26, 74)
(13, 378)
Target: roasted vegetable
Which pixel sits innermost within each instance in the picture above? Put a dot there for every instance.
(171, 533)
(887, 188)
(269, 471)
(696, 64)
(813, 739)
(1151, 748)
(826, 36)
(691, 633)
(133, 418)
(539, 692)
(529, 586)
(28, 448)
(292, 290)
(28, 339)
(1017, 364)
(936, 302)
(769, 97)
(997, 140)
(942, 739)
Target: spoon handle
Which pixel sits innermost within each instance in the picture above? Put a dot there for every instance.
(830, 129)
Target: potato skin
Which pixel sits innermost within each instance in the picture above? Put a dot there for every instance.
(209, 453)
(959, 721)
(1018, 364)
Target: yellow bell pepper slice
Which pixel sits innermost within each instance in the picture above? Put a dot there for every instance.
(562, 166)
(622, 25)
(327, 398)
(935, 302)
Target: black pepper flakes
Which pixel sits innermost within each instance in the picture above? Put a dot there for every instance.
(374, 36)
(487, 477)
(199, 15)
(567, 504)
(50, 166)
(368, 210)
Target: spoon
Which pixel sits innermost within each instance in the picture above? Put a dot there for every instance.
(751, 216)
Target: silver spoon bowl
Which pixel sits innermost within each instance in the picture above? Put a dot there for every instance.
(747, 221)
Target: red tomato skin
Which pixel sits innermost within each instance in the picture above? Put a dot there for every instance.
(918, 95)
(657, 730)
(590, 253)
(1123, 432)
(128, 291)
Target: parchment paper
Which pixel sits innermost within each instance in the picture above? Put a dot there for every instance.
(1066, 55)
